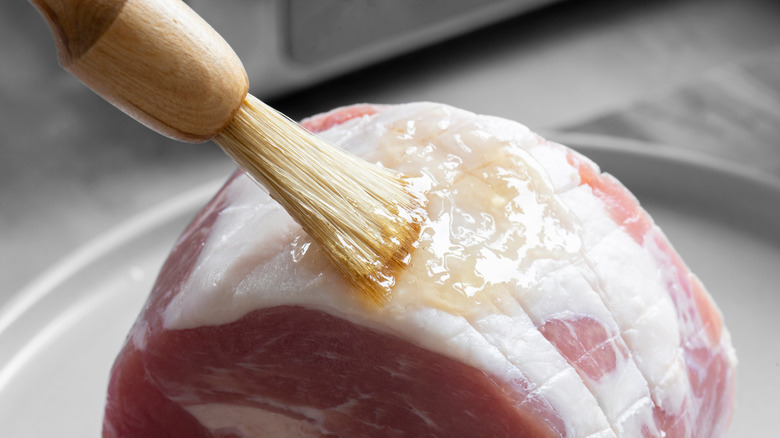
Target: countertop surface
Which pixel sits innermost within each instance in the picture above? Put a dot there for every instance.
(694, 74)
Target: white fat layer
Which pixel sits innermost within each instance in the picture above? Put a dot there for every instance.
(566, 257)
(644, 311)
(552, 157)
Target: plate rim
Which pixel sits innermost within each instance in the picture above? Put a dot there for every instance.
(642, 148)
(193, 199)
(190, 202)
(102, 244)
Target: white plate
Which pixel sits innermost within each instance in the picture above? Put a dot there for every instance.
(59, 336)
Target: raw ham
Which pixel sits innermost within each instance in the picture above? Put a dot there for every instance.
(542, 301)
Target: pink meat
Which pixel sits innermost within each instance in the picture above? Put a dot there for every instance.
(355, 380)
(712, 380)
(299, 356)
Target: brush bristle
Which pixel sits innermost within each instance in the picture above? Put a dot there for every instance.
(365, 217)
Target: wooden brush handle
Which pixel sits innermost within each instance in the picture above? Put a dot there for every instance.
(156, 60)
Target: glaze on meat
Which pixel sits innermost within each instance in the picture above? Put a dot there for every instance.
(541, 301)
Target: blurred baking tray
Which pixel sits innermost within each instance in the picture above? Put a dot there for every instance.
(289, 44)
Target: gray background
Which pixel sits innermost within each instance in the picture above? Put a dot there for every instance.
(698, 74)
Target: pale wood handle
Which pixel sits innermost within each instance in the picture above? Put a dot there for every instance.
(156, 60)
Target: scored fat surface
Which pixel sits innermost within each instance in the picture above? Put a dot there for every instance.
(519, 270)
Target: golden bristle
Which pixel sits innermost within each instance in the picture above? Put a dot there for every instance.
(365, 217)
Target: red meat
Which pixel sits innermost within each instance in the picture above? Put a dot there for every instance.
(290, 368)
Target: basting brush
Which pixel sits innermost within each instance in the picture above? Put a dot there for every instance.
(162, 64)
